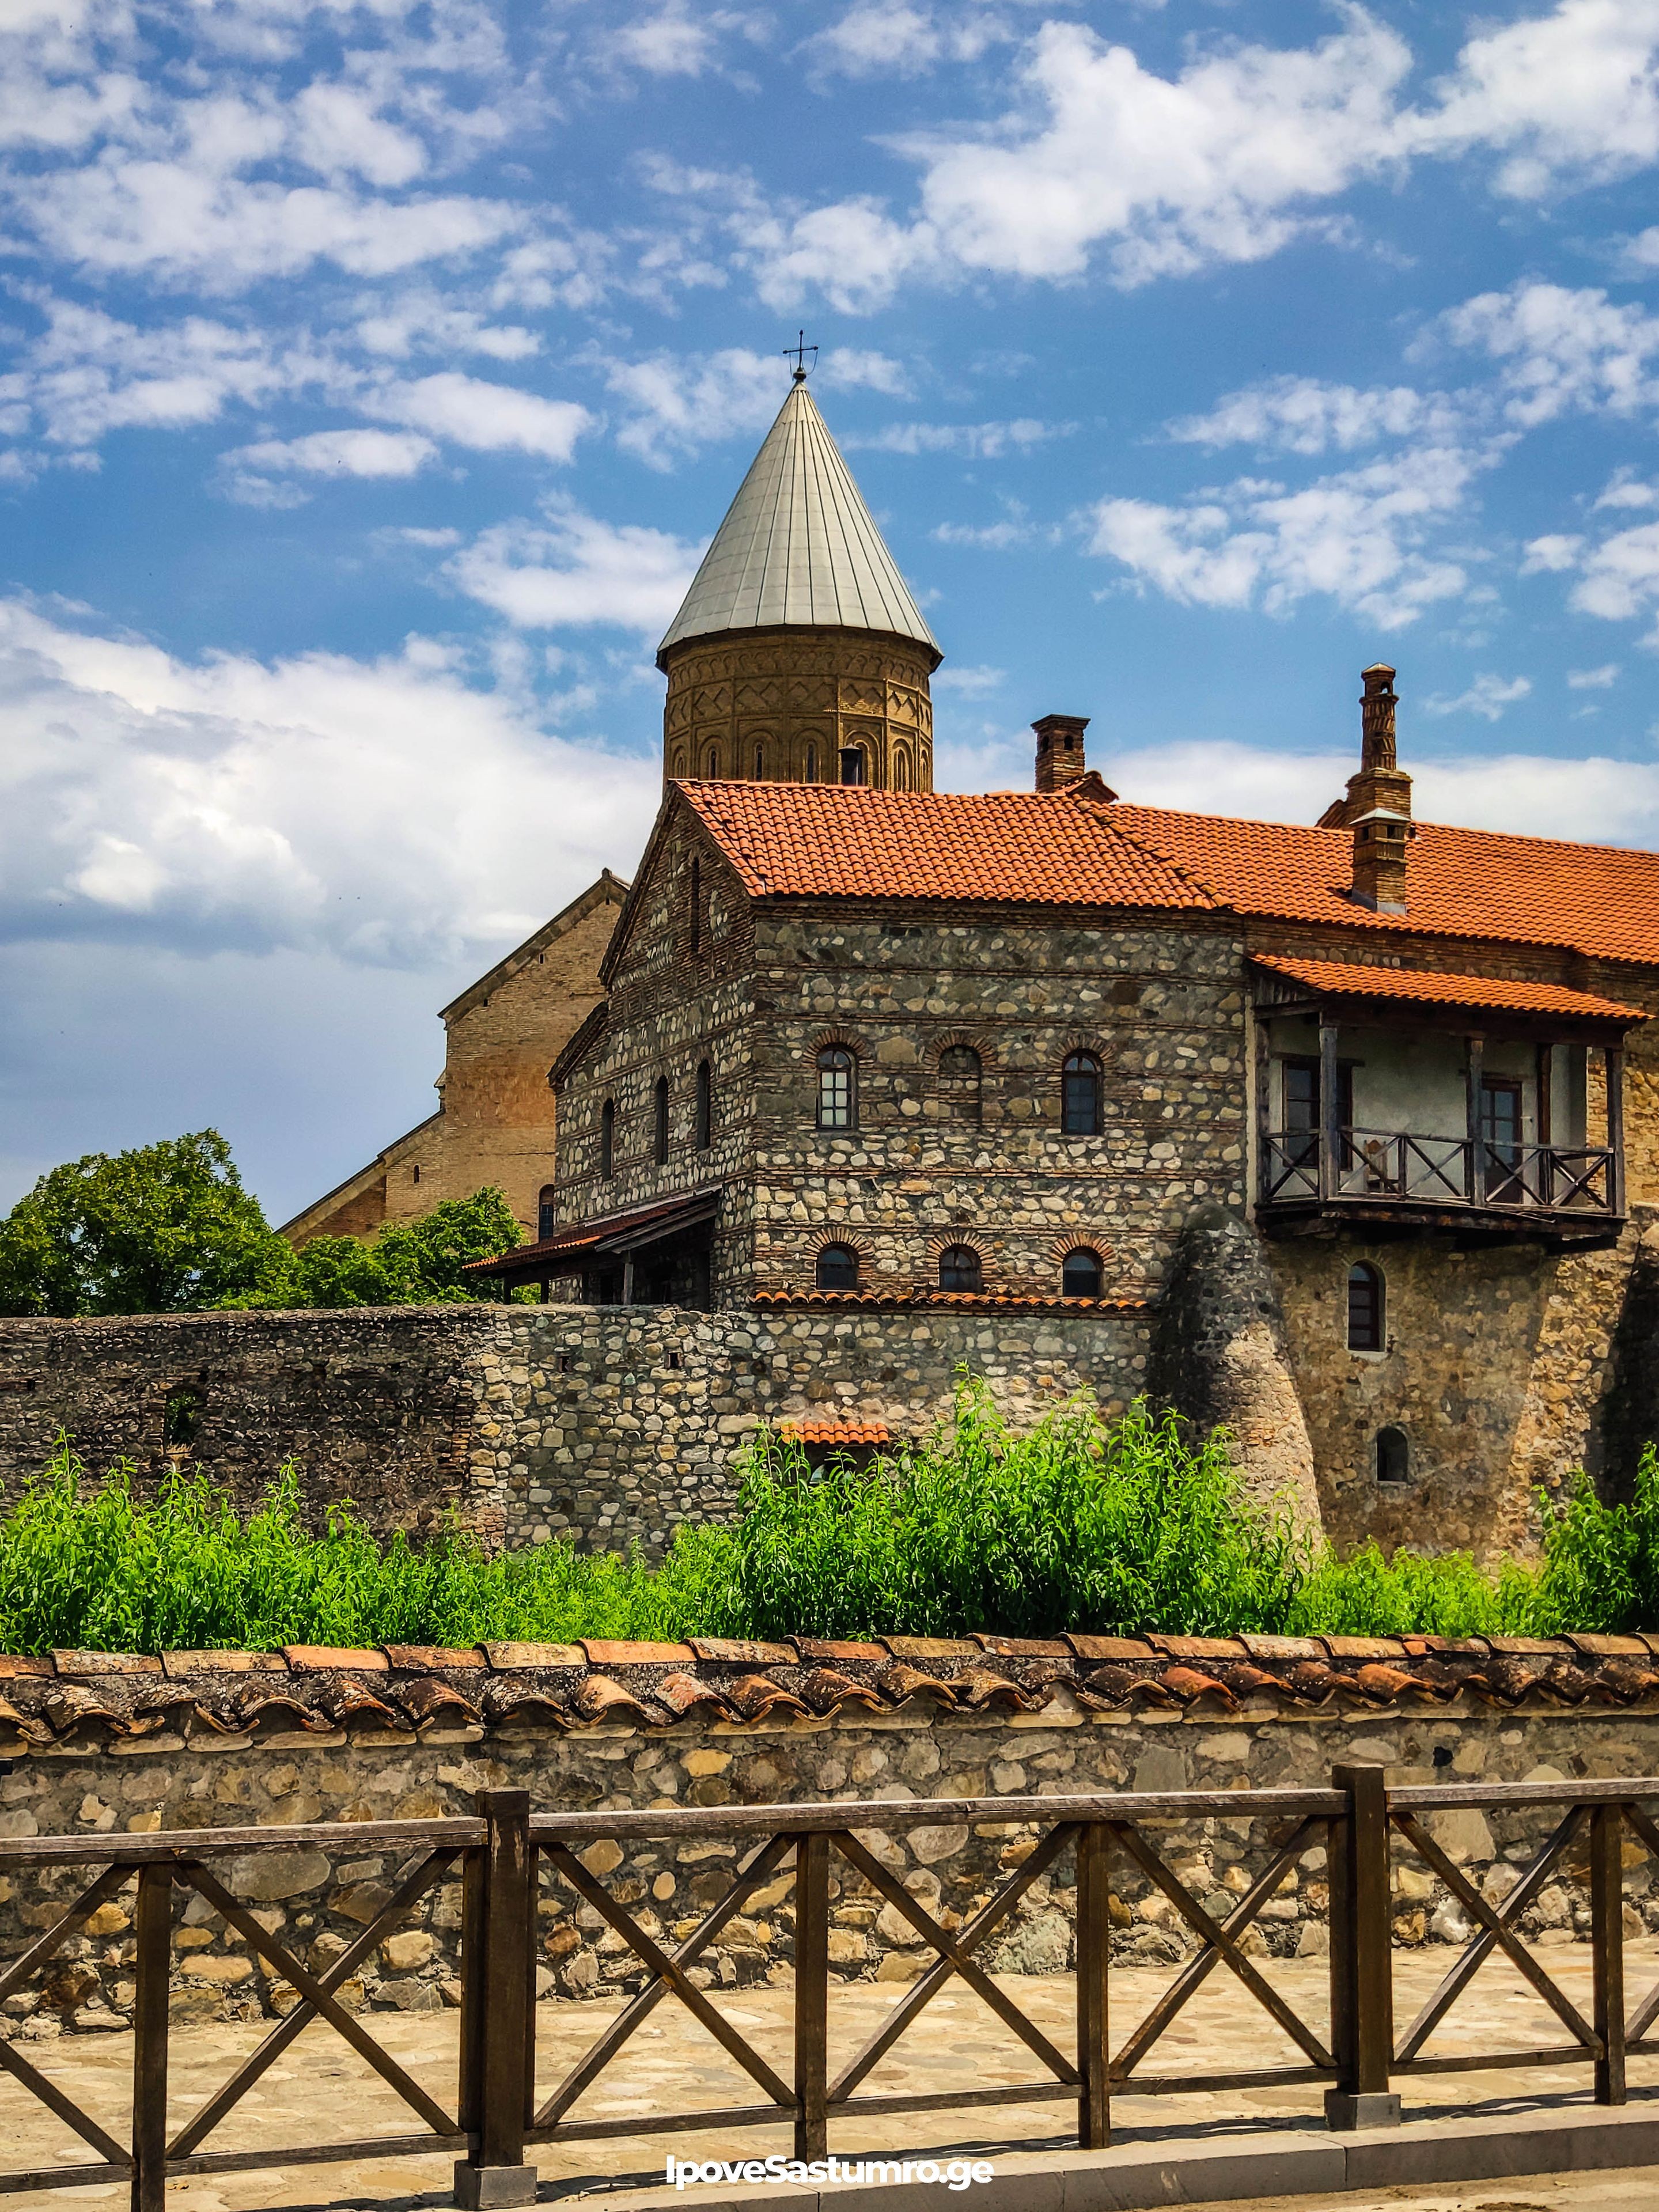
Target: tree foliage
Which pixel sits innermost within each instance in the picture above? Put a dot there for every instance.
(169, 1228)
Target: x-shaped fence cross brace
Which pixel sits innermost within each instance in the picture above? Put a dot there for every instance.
(112, 1879)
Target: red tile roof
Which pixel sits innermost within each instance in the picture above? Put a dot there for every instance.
(1602, 900)
(1431, 987)
(836, 1432)
(828, 841)
(834, 841)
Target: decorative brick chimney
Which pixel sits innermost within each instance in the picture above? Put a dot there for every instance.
(1378, 809)
(1060, 750)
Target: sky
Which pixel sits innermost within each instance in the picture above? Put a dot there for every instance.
(374, 376)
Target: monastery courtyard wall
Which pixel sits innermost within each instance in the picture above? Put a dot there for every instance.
(612, 1424)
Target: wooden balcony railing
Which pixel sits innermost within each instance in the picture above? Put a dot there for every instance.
(1380, 1167)
(497, 2114)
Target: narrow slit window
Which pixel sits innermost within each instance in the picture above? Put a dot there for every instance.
(1079, 1098)
(608, 1138)
(547, 1212)
(837, 1096)
(1364, 1307)
(705, 1106)
(660, 1121)
(696, 904)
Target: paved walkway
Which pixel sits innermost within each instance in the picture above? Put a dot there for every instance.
(319, 2088)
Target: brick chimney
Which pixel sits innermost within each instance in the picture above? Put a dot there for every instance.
(1060, 750)
(1378, 809)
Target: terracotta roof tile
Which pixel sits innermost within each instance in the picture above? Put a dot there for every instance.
(1602, 900)
(832, 840)
(836, 1432)
(1429, 986)
(827, 841)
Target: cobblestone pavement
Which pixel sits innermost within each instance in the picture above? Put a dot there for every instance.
(319, 2087)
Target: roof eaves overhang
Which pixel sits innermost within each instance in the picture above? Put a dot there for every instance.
(610, 1234)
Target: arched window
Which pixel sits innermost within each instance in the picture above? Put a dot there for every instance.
(713, 764)
(696, 903)
(837, 1088)
(760, 762)
(1364, 1307)
(838, 1267)
(547, 1212)
(812, 764)
(660, 1121)
(608, 1138)
(959, 1268)
(959, 1085)
(901, 769)
(677, 765)
(1080, 1273)
(1079, 1095)
(705, 1106)
(851, 764)
(1393, 1456)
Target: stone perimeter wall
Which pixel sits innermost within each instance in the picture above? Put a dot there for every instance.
(607, 1424)
(318, 1906)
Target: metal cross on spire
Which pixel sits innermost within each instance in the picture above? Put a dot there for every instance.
(798, 354)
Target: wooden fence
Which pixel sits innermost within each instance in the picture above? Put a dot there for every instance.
(496, 2118)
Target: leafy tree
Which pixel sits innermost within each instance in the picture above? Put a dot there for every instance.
(406, 1263)
(161, 1229)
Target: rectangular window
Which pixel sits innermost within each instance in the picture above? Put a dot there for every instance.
(1500, 1133)
(1304, 1111)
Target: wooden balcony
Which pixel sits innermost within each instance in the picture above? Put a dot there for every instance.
(1314, 1181)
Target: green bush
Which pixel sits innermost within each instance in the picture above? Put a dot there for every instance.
(1076, 1524)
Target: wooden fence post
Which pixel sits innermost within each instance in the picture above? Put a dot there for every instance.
(812, 1995)
(1362, 1969)
(498, 2027)
(153, 1966)
(1607, 1946)
(1094, 1933)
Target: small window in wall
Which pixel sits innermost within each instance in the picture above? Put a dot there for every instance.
(837, 1097)
(1081, 1273)
(547, 1212)
(1079, 1095)
(696, 930)
(812, 764)
(1393, 1456)
(838, 1268)
(182, 1423)
(660, 1121)
(414, 1174)
(608, 1138)
(901, 770)
(705, 1106)
(760, 762)
(960, 1085)
(959, 1268)
(1364, 1307)
(713, 764)
(851, 764)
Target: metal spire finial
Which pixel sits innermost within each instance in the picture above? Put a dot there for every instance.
(798, 354)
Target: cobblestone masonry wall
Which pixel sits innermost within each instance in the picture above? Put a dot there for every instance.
(190, 1774)
(608, 1424)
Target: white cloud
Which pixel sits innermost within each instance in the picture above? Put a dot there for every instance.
(984, 441)
(222, 804)
(891, 37)
(1361, 538)
(490, 418)
(1561, 350)
(679, 40)
(1304, 415)
(678, 405)
(971, 683)
(1569, 97)
(1593, 680)
(251, 471)
(575, 570)
(1487, 696)
(424, 322)
(339, 135)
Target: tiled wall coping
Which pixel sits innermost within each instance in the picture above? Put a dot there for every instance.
(75, 1699)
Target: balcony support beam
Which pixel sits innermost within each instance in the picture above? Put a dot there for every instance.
(1330, 1111)
(1475, 1047)
(1544, 1084)
(1615, 1057)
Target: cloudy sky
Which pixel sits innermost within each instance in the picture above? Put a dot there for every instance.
(374, 374)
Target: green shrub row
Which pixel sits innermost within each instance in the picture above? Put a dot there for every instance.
(1077, 1523)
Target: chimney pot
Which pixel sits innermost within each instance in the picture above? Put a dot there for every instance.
(1377, 811)
(1059, 758)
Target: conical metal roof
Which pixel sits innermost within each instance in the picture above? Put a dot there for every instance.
(797, 546)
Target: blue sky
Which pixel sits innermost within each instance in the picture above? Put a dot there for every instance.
(374, 374)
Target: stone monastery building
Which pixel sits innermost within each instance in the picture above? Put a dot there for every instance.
(1348, 1134)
